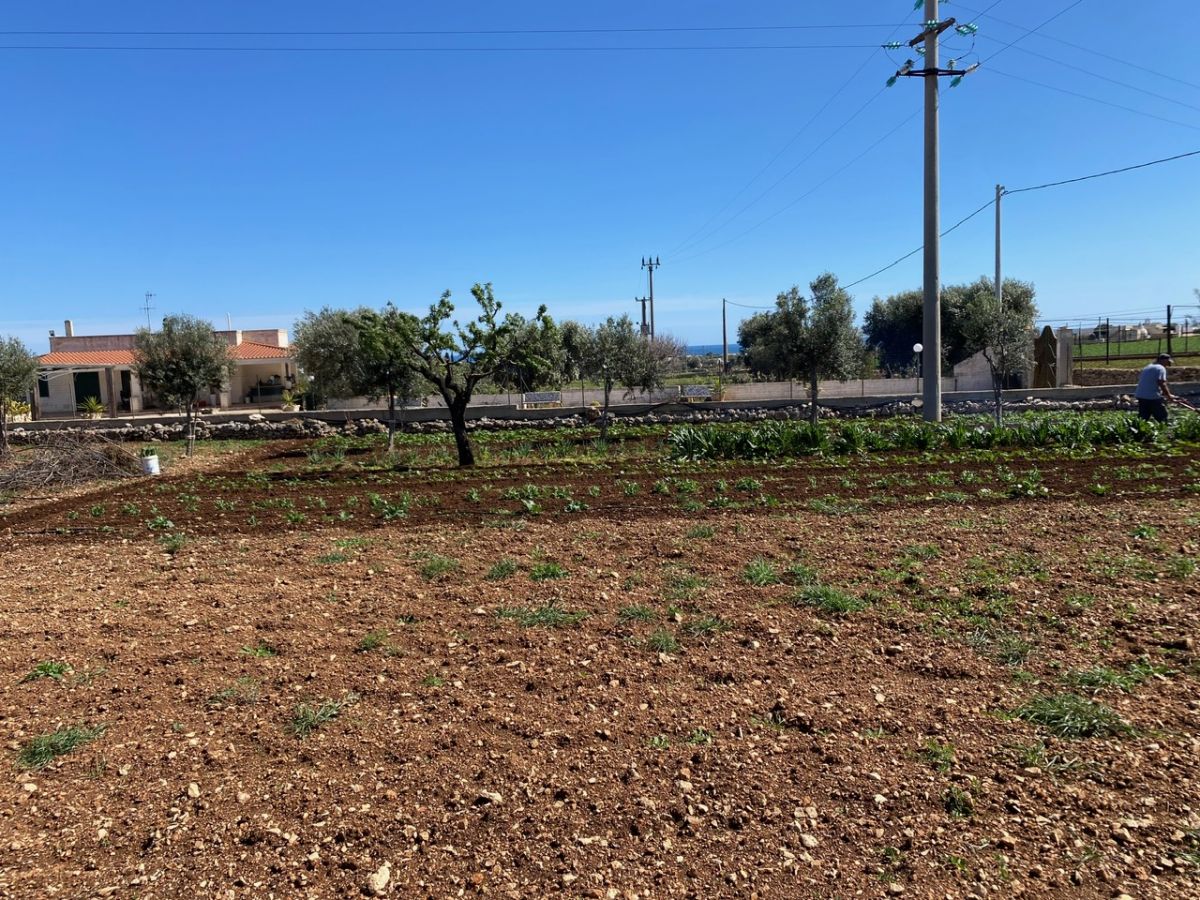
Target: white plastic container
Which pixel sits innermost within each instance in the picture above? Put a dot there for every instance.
(150, 465)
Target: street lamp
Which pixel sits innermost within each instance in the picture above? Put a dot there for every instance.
(918, 349)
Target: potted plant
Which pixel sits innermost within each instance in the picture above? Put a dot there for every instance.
(291, 400)
(16, 411)
(150, 464)
(91, 408)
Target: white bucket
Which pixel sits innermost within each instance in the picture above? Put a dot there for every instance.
(150, 465)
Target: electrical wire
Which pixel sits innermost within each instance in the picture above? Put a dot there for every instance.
(1081, 47)
(1036, 187)
(1153, 162)
(1051, 87)
(448, 32)
(1091, 74)
(789, 172)
(894, 263)
(1035, 30)
(807, 193)
(579, 49)
(745, 306)
(687, 241)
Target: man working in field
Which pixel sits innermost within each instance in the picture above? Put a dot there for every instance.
(1152, 392)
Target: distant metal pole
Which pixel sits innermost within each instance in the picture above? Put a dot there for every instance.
(1107, 338)
(651, 263)
(1169, 328)
(932, 360)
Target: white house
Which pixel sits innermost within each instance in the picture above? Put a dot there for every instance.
(102, 366)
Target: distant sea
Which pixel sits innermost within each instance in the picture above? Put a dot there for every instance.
(715, 349)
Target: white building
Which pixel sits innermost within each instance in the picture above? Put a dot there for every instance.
(102, 367)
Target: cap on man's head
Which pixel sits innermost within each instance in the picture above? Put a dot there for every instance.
(1166, 359)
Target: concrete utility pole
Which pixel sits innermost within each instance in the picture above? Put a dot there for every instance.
(999, 281)
(651, 263)
(724, 338)
(645, 327)
(932, 365)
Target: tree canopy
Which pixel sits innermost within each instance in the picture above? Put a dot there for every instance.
(181, 363)
(893, 325)
(18, 368)
(811, 339)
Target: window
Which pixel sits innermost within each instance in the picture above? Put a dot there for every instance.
(43, 387)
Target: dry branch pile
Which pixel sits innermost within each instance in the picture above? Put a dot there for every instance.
(66, 458)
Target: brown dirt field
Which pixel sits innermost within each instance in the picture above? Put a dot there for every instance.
(777, 751)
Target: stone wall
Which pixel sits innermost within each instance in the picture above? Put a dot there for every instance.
(1098, 377)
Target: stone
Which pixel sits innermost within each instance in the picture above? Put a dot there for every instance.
(193, 791)
(809, 841)
(377, 881)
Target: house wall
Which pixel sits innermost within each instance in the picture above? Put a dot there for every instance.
(83, 343)
(247, 376)
(63, 401)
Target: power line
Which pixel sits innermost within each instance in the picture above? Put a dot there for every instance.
(803, 128)
(1102, 77)
(894, 263)
(458, 32)
(1051, 87)
(1153, 162)
(744, 306)
(1036, 187)
(1081, 47)
(1034, 30)
(579, 49)
(789, 172)
(806, 194)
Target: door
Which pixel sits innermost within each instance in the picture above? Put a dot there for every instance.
(87, 384)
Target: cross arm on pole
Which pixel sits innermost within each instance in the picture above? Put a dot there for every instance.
(934, 28)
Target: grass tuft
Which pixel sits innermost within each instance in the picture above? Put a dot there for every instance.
(44, 749)
(1072, 716)
(308, 719)
(828, 600)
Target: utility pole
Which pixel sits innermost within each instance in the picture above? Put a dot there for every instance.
(147, 307)
(724, 339)
(999, 281)
(645, 327)
(651, 263)
(932, 333)
(1168, 328)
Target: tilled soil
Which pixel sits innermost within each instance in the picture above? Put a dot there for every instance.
(619, 712)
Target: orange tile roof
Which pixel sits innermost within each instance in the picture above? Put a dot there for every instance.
(243, 352)
(254, 350)
(87, 358)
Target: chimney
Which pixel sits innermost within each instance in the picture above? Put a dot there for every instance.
(69, 328)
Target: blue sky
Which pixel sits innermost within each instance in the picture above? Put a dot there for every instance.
(260, 184)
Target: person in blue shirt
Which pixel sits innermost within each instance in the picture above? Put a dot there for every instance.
(1152, 392)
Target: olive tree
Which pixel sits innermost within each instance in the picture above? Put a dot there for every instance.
(18, 368)
(181, 363)
(1001, 331)
(361, 352)
(454, 357)
(614, 353)
(805, 338)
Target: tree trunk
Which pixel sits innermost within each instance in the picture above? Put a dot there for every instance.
(998, 392)
(604, 412)
(3, 428)
(458, 422)
(191, 428)
(391, 445)
(813, 387)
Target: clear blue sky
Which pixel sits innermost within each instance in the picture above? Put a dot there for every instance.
(261, 184)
